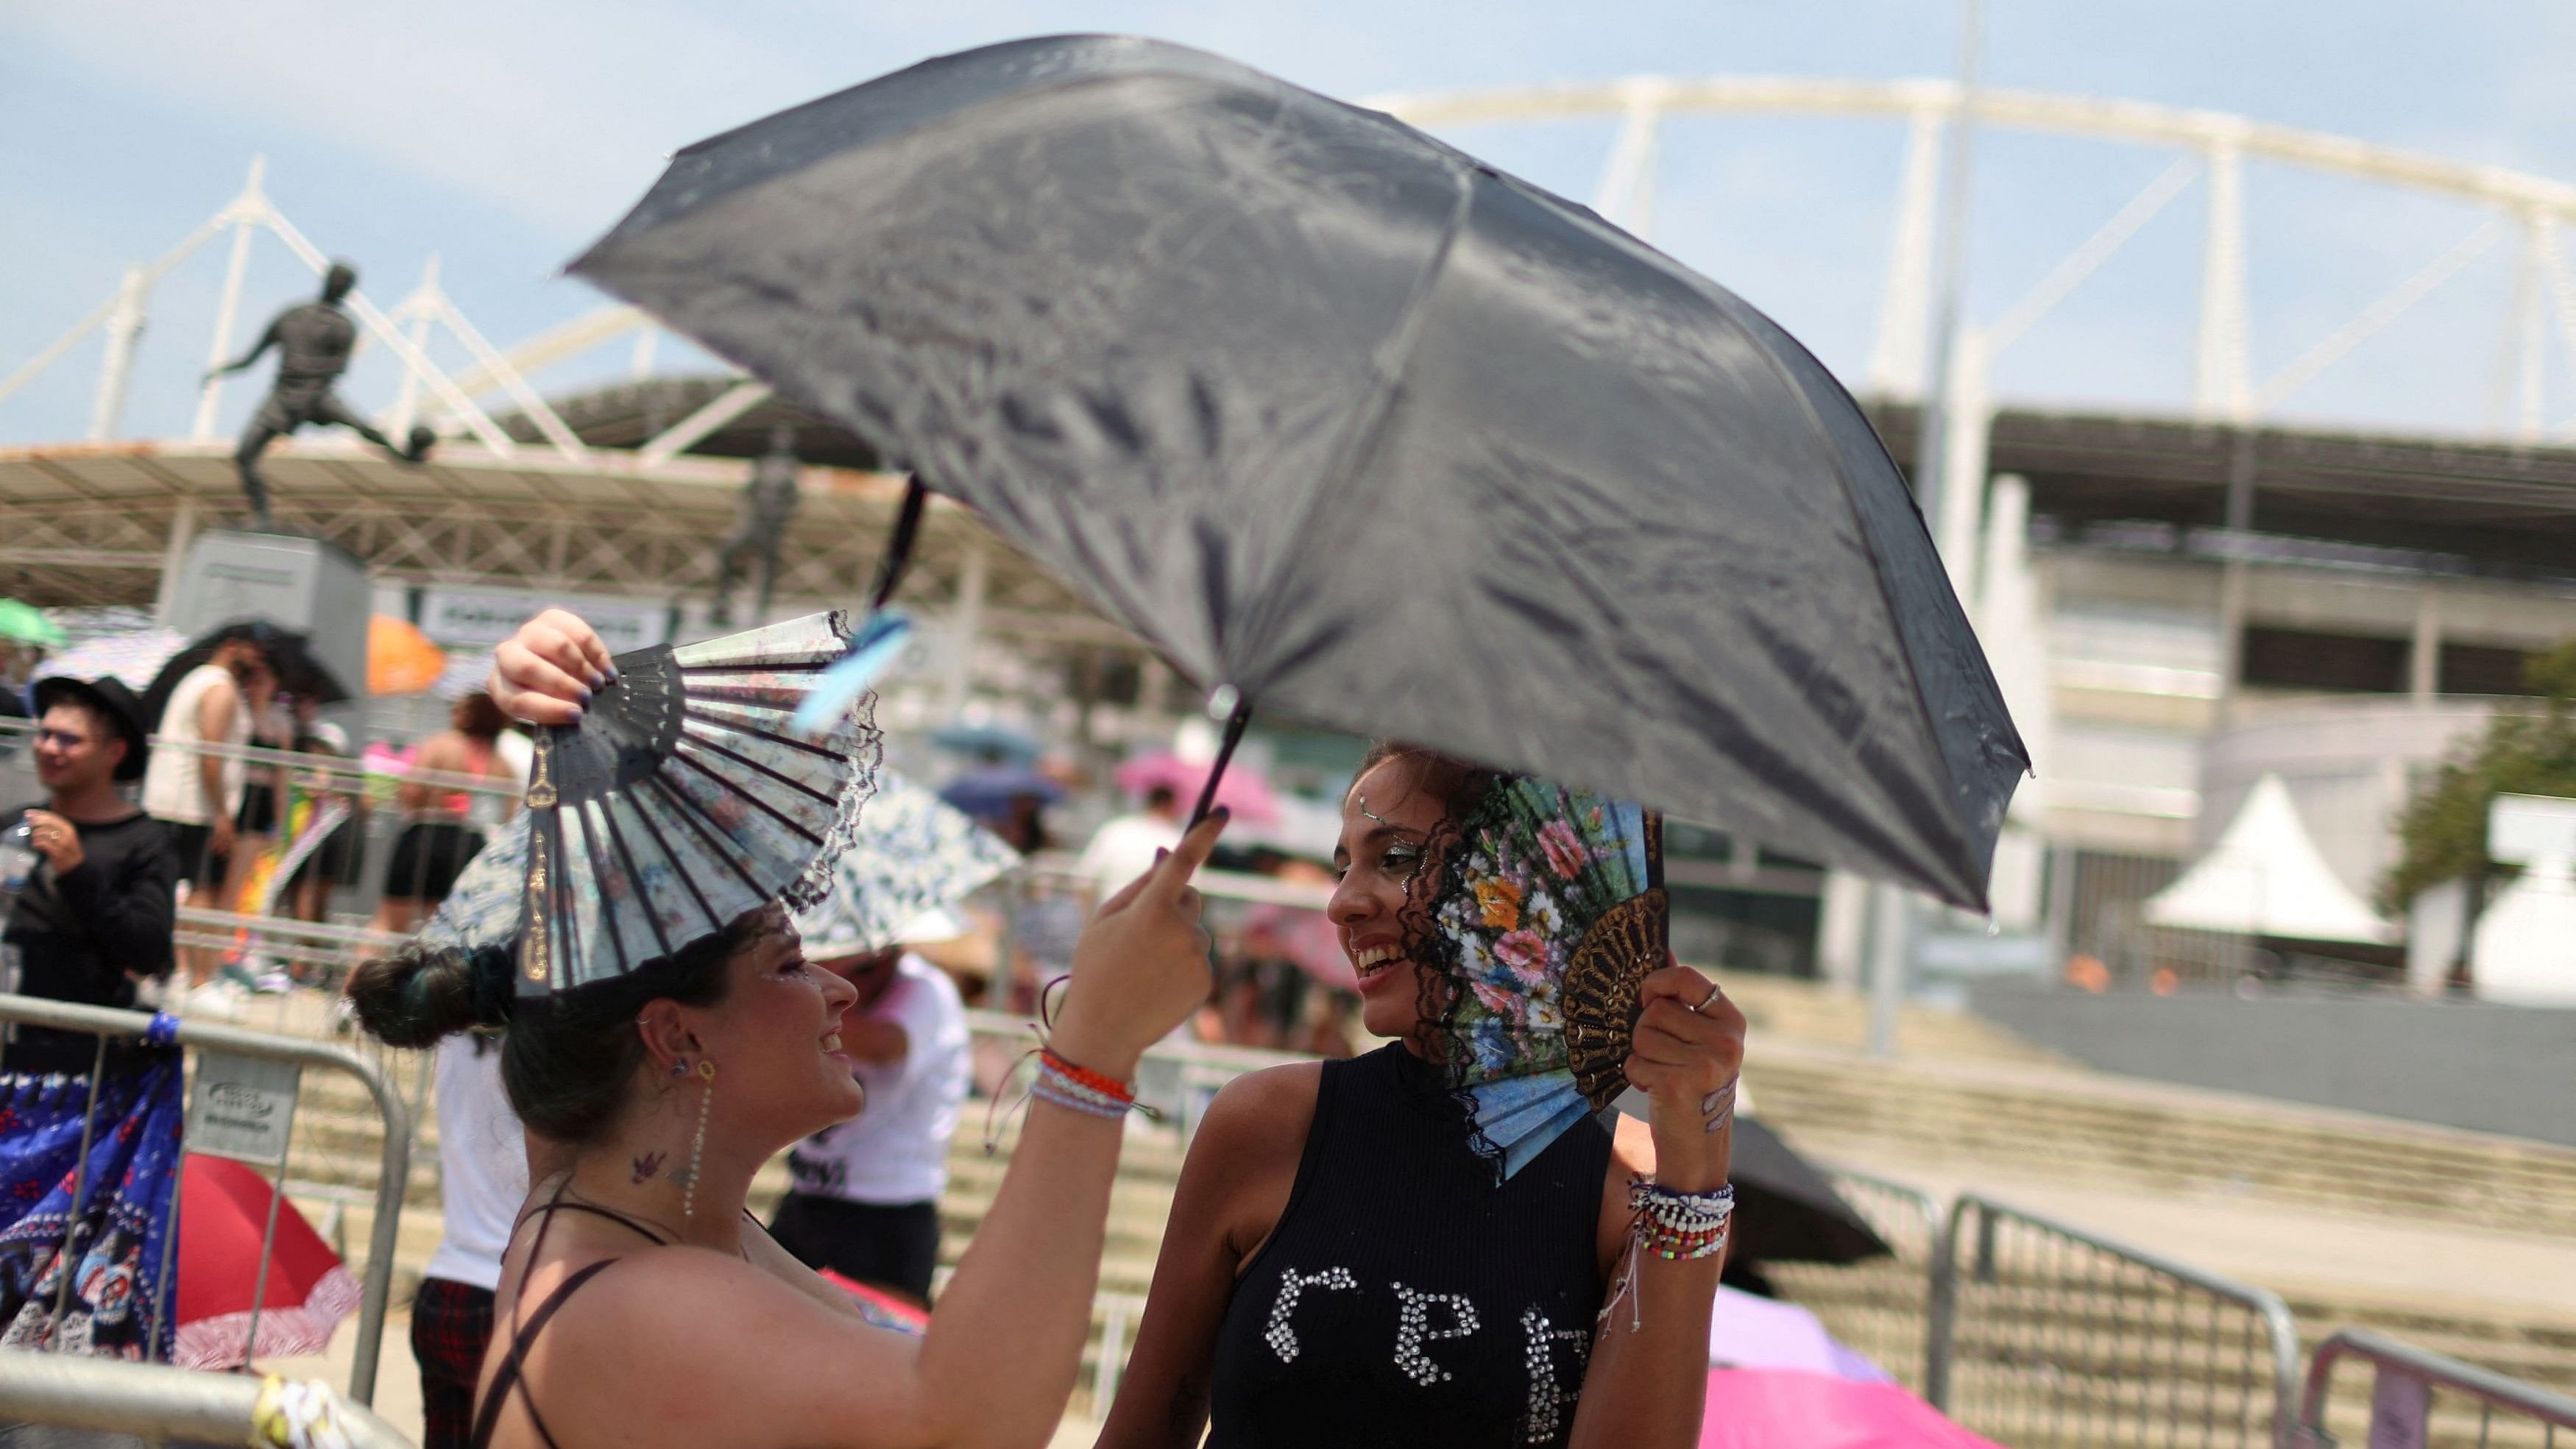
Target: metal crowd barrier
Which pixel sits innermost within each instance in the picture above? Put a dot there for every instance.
(2050, 1337)
(156, 1403)
(2407, 1392)
(393, 1168)
(1881, 1306)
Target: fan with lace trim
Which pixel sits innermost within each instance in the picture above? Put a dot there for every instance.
(681, 800)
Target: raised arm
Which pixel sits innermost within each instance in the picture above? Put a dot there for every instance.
(267, 340)
(1647, 1382)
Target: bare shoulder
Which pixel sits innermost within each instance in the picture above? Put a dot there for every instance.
(1260, 1116)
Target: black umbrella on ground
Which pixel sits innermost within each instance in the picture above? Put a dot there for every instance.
(1786, 1210)
(1357, 427)
(290, 658)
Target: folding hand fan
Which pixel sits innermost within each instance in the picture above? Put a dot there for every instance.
(681, 800)
(1550, 913)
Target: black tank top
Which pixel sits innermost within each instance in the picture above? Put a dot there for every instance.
(1405, 1298)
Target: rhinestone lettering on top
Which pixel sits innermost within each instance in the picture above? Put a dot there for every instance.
(1548, 1400)
(1413, 1329)
(1281, 1338)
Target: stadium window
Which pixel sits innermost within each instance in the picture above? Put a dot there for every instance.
(2341, 663)
(2482, 669)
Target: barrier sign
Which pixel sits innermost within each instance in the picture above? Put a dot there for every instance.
(243, 1107)
(471, 617)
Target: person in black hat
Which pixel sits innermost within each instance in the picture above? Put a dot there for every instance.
(98, 908)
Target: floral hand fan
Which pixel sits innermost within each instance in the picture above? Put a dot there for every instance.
(683, 799)
(1550, 913)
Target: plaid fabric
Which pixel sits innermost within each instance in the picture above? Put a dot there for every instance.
(451, 1325)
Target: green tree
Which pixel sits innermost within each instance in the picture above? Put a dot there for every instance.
(2443, 833)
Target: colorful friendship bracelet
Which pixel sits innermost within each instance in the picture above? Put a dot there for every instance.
(1673, 1224)
(1107, 1086)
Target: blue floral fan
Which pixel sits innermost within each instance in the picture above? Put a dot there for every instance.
(1552, 911)
(914, 854)
(683, 799)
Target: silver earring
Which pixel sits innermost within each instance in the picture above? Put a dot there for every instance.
(697, 1144)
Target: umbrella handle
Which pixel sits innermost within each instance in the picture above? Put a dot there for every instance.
(898, 553)
(1234, 724)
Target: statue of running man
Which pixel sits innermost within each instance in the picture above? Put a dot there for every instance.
(313, 341)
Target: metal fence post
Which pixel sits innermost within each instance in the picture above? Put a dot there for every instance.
(1940, 1327)
(394, 1165)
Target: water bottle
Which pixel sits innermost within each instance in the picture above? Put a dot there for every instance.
(17, 857)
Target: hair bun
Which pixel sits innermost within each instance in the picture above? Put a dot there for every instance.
(415, 996)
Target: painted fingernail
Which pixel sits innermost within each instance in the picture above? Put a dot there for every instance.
(597, 679)
(1223, 812)
(577, 713)
(585, 696)
(1159, 856)
(612, 674)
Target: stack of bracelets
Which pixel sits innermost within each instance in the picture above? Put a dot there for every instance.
(1080, 1088)
(1676, 1224)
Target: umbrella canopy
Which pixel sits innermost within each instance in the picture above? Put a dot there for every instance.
(1751, 1332)
(400, 658)
(1361, 428)
(24, 623)
(223, 1212)
(914, 854)
(135, 658)
(2266, 877)
(991, 743)
(1765, 1408)
(988, 793)
(298, 672)
(1786, 1211)
(1246, 794)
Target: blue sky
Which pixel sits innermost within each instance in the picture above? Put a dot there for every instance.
(503, 136)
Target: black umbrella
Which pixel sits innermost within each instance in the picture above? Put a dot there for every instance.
(1786, 1211)
(290, 658)
(1351, 424)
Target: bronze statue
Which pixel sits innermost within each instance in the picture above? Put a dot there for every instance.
(313, 341)
(768, 501)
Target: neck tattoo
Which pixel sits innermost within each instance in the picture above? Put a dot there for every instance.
(648, 1165)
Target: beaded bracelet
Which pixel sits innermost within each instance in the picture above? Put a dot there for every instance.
(1673, 1224)
(1064, 1091)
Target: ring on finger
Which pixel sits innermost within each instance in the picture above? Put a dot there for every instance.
(1714, 992)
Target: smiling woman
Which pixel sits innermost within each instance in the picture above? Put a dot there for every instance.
(1425, 1245)
(639, 1303)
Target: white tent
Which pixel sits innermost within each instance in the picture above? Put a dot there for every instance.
(2265, 877)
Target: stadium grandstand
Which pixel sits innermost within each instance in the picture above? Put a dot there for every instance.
(2178, 604)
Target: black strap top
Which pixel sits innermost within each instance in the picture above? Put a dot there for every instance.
(1404, 1297)
(513, 1371)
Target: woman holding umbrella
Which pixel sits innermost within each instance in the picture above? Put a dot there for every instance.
(1341, 1264)
(649, 1309)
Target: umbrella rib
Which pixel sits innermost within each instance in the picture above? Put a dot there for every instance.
(646, 820)
(617, 840)
(689, 813)
(1360, 439)
(599, 884)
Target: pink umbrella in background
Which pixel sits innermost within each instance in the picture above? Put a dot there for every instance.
(1768, 1408)
(1241, 791)
(1778, 1377)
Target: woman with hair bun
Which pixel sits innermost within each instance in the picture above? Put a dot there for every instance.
(640, 1304)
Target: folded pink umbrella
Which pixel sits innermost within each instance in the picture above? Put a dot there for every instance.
(1240, 790)
(1767, 1408)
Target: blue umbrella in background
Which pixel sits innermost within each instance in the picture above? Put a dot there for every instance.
(987, 793)
(990, 743)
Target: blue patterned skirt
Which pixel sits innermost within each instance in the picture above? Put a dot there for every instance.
(118, 1227)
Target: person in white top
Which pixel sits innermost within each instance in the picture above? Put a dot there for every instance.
(482, 1179)
(1125, 846)
(196, 794)
(865, 1200)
